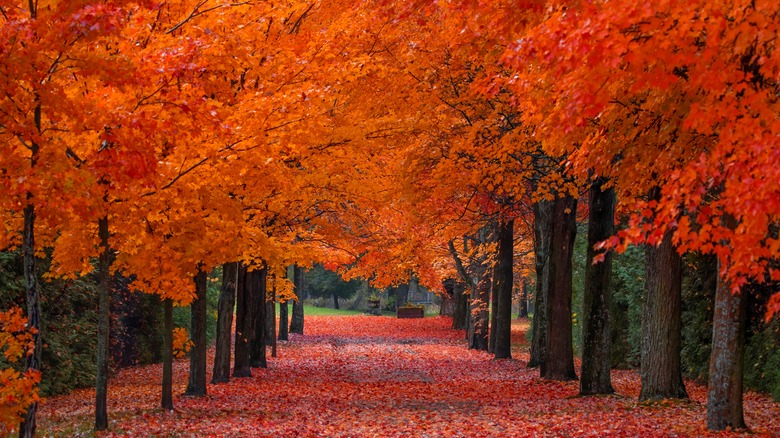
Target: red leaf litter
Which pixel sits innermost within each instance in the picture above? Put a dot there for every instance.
(355, 376)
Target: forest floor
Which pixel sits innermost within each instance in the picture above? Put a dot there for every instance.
(381, 376)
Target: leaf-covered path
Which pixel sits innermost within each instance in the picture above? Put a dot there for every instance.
(380, 376)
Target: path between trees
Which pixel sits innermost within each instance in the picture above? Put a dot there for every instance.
(381, 376)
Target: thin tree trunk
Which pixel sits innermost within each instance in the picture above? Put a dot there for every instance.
(503, 290)
(335, 301)
(493, 313)
(596, 335)
(33, 361)
(296, 322)
(270, 311)
(661, 370)
(724, 396)
(197, 383)
(542, 234)
(227, 300)
(258, 339)
(523, 311)
(559, 363)
(244, 312)
(460, 315)
(283, 319)
(167, 379)
(101, 385)
(401, 295)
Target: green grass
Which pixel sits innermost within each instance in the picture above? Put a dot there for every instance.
(327, 311)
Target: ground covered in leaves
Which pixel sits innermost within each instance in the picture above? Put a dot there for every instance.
(381, 376)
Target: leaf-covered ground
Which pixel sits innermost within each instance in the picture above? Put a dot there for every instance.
(381, 376)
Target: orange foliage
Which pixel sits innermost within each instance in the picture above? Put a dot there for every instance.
(17, 390)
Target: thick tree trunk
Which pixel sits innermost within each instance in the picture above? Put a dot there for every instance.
(335, 301)
(104, 317)
(542, 234)
(33, 361)
(480, 314)
(258, 327)
(244, 331)
(283, 320)
(227, 301)
(503, 290)
(197, 383)
(523, 305)
(296, 322)
(559, 362)
(724, 396)
(661, 370)
(167, 379)
(596, 335)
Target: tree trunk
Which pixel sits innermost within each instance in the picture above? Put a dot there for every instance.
(335, 301)
(480, 314)
(724, 396)
(460, 315)
(197, 383)
(258, 326)
(447, 307)
(283, 319)
(167, 379)
(243, 325)
(227, 300)
(296, 322)
(523, 310)
(596, 335)
(401, 295)
(542, 234)
(493, 314)
(104, 318)
(559, 362)
(503, 290)
(33, 361)
(661, 371)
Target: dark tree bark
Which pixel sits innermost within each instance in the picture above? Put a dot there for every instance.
(661, 370)
(502, 288)
(227, 301)
(283, 320)
(197, 383)
(596, 335)
(104, 318)
(335, 301)
(724, 396)
(296, 322)
(559, 362)
(244, 331)
(460, 315)
(258, 298)
(542, 234)
(493, 313)
(480, 314)
(167, 380)
(33, 361)
(523, 305)
(270, 320)
(401, 295)
(447, 307)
